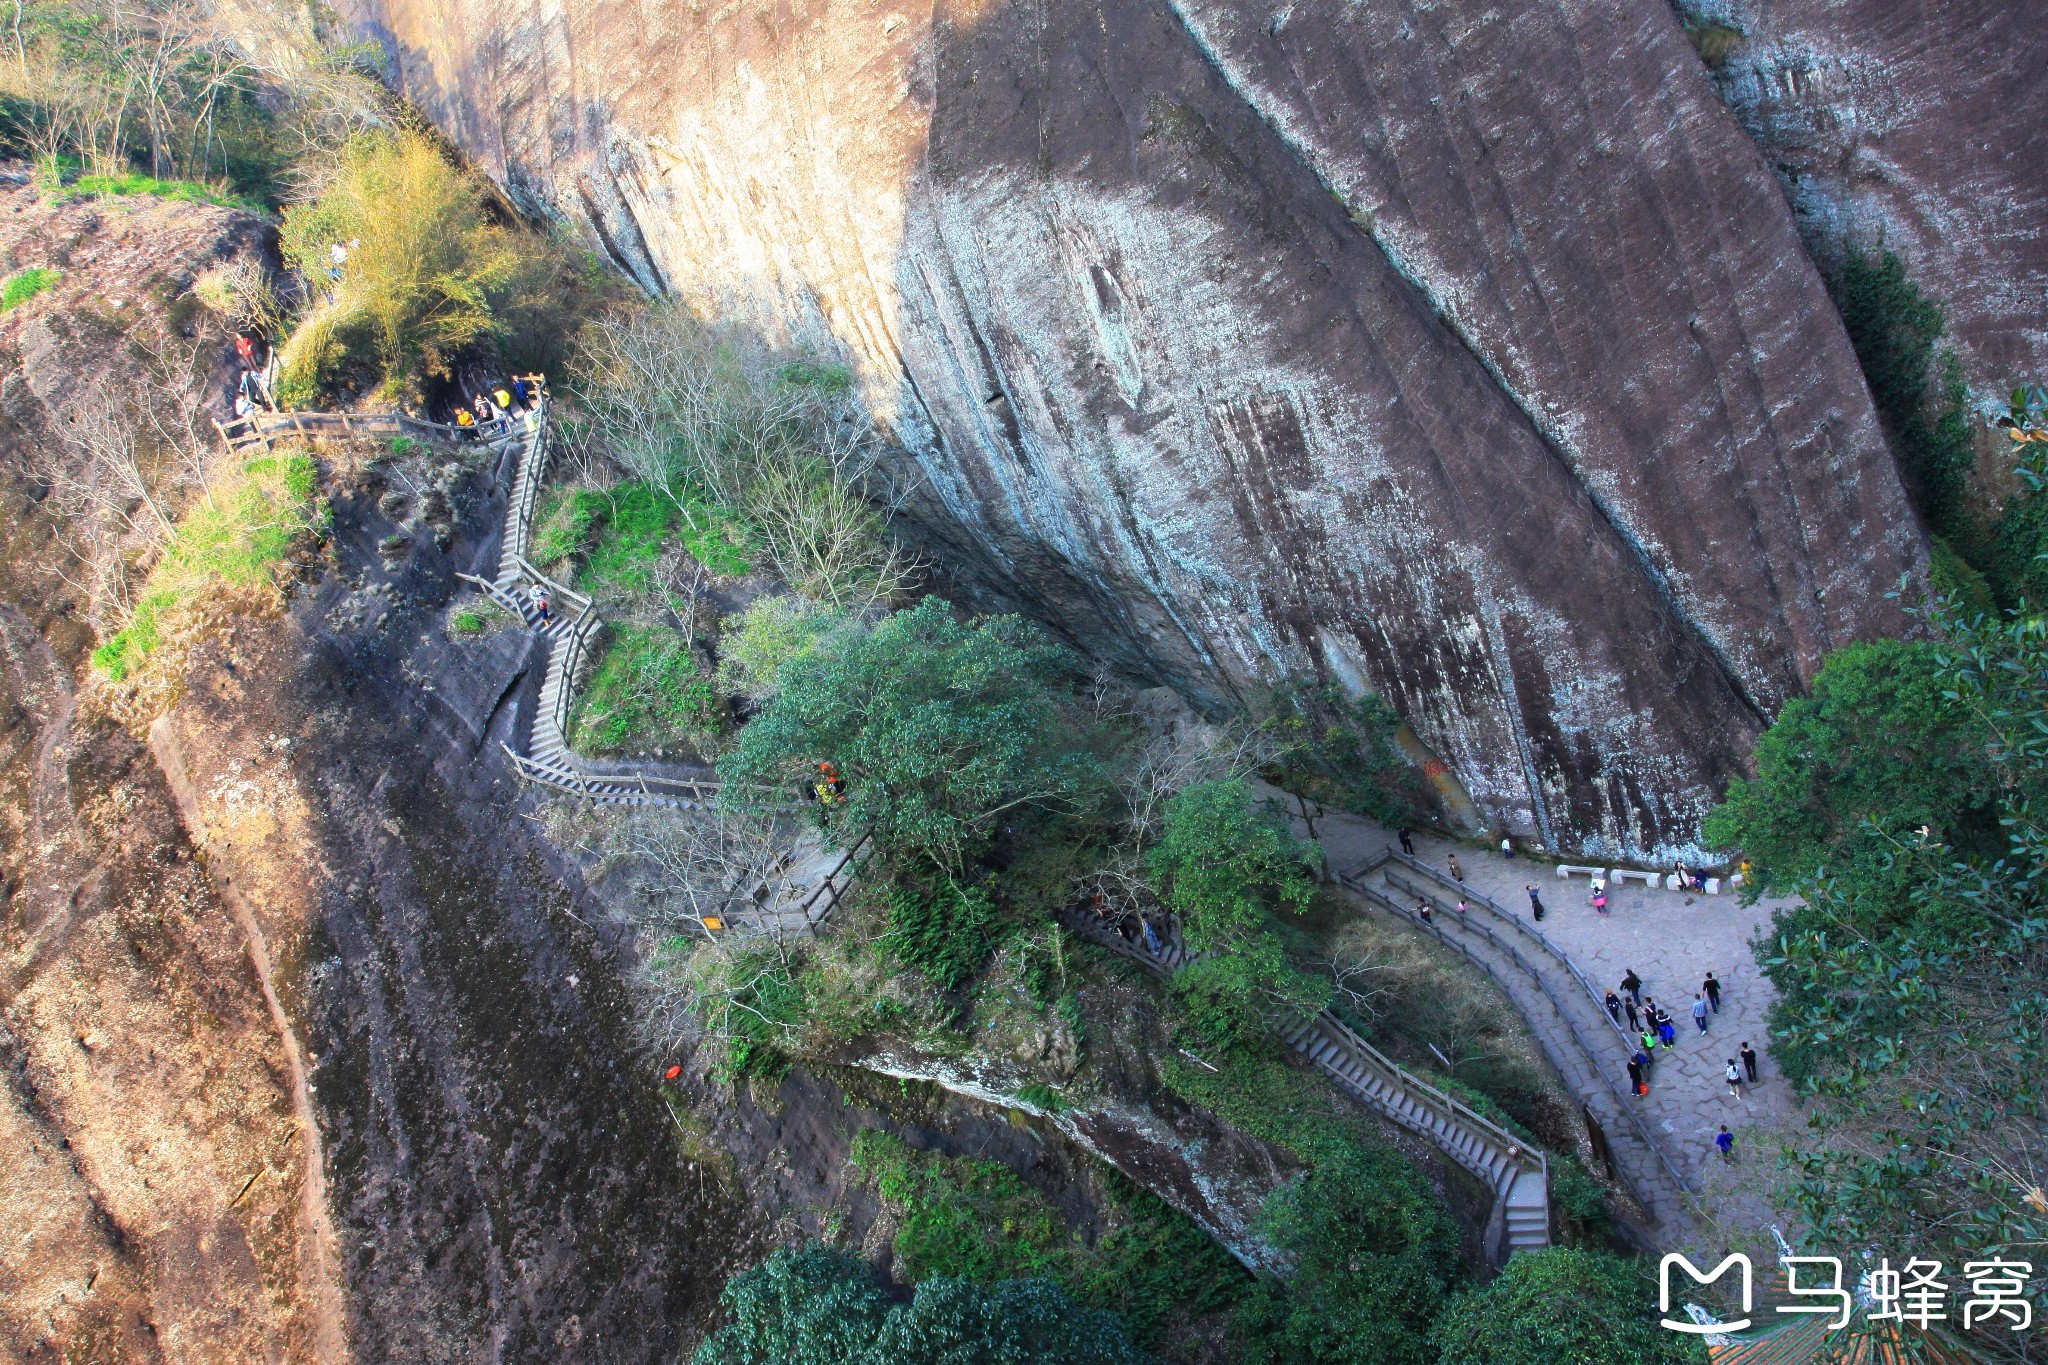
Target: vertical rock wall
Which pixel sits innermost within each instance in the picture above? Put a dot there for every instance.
(1919, 127)
(1467, 356)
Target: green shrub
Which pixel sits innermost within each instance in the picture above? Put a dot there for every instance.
(1340, 750)
(959, 1216)
(565, 523)
(757, 642)
(314, 352)
(976, 1219)
(24, 285)
(1563, 1307)
(427, 270)
(1374, 1255)
(1881, 737)
(821, 1307)
(236, 535)
(946, 936)
(1917, 385)
(646, 690)
(1224, 866)
(939, 729)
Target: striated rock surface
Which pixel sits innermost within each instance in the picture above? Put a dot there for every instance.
(1920, 128)
(1465, 355)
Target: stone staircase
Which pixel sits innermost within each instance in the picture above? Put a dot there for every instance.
(1587, 1048)
(1516, 1174)
(521, 447)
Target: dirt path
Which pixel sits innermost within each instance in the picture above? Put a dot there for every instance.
(320, 1275)
(61, 870)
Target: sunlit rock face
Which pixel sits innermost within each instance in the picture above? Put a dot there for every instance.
(1465, 353)
(1921, 128)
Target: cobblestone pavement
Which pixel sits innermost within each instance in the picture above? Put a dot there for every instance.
(1670, 944)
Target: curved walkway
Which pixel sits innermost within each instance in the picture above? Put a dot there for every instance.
(1518, 1176)
(1557, 974)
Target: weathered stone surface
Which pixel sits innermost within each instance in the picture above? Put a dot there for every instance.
(1471, 358)
(1917, 127)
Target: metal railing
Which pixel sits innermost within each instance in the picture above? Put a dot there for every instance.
(652, 786)
(1517, 1156)
(1527, 931)
(1353, 878)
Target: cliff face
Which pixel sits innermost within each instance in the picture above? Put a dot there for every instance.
(1916, 127)
(1470, 357)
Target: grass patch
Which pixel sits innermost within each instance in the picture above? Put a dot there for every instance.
(978, 1220)
(235, 536)
(620, 533)
(647, 690)
(24, 285)
(132, 184)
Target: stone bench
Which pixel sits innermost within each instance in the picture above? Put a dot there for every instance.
(1565, 870)
(1619, 875)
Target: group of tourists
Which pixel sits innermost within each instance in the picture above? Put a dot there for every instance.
(499, 405)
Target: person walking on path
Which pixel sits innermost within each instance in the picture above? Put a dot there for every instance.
(1632, 986)
(1748, 1055)
(1599, 897)
(1457, 873)
(1613, 1003)
(540, 604)
(1713, 990)
(1507, 847)
(1635, 1078)
(1725, 1140)
(1650, 1042)
(1699, 1012)
(1462, 907)
(1665, 1028)
(1535, 903)
(1422, 908)
(1151, 939)
(1634, 1022)
(1407, 843)
(1734, 1080)
(1647, 1063)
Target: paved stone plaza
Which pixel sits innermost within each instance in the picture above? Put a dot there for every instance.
(1671, 940)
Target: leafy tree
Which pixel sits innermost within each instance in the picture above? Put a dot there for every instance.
(1224, 866)
(822, 1307)
(809, 1307)
(1912, 1001)
(427, 274)
(1882, 737)
(1374, 1254)
(1340, 750)
(940, 730)
(1562, 1307)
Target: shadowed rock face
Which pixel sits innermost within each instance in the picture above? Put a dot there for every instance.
(1919, 127)
(1470, 357)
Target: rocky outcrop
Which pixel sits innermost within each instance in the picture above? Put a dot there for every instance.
(1913, 127)
(1468, 356)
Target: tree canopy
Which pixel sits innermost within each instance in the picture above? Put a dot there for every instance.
(823, 1307)
(939, 730)
(1225, 865)
(1912, 999)
(1562, 1307)
(1375, 1253)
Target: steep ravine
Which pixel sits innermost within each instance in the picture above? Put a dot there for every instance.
(1469, 357)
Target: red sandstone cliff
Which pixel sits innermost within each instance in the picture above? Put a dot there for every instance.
(1469, 356)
